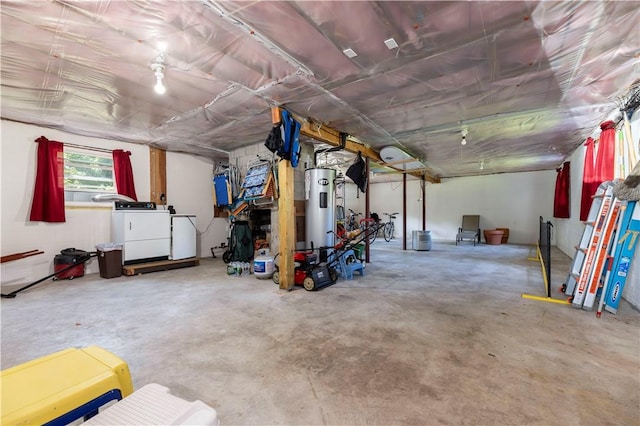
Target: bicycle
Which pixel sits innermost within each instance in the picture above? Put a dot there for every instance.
(351, 223)
(389, 227)
(370, 227)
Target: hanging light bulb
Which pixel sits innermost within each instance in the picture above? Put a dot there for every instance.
(158, 70)
(464, 132)
(482, 165)
(159, 87)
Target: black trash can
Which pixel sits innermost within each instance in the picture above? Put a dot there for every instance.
(110, 260)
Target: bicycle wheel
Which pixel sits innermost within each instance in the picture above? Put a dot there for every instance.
(371, 231)
(388, 231)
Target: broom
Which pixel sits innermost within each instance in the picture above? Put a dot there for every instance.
(629, 189)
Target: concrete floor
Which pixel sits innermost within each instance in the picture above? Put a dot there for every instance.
(439, 337)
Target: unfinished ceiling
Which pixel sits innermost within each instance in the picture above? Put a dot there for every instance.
(527, 81)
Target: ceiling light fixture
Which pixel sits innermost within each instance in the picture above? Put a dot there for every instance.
(391, 43)
(464, 134)
(481, 165)
(158, 68)
(350, 53)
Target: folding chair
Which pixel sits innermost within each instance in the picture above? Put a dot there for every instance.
(470, 229)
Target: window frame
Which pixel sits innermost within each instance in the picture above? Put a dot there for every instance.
(82, 196)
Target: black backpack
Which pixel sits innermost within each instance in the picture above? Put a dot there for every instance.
(274, 139)
(357, 172)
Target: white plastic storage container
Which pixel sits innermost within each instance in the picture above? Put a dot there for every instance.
(263, 266)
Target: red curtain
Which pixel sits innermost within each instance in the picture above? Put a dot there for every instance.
(123, 173)
(48, 194)
(561, 207)
(606, 152)
(600, 170)
(589, 182)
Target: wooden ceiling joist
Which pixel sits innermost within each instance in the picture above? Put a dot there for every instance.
(330, 136)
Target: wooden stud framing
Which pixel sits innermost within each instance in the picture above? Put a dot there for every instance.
(158, 172)
(330, 136)
(286, 217)
(286, 224)
(275, 116)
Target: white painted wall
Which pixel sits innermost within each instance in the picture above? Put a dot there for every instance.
(188, 185)
(189, 191)
(353, 199)
(515, 201)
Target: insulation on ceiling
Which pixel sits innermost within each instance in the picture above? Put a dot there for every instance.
(529, 80)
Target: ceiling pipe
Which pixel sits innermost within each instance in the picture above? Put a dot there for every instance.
(343, 142)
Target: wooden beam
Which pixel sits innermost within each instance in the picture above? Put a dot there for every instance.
(158, 172)
(330, 136)
(275, 116)
(286, 224)
(162, 265)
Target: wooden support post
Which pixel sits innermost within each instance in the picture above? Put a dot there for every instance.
(158, 172)
(286, 224)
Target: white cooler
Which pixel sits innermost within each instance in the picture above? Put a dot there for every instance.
(154, 405)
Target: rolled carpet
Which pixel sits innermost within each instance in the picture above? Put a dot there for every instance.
(629, 189)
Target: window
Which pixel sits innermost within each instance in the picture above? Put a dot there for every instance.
(87, 173)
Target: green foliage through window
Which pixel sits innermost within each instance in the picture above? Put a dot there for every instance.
(88, 172)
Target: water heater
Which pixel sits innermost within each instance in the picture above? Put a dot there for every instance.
(320, 209)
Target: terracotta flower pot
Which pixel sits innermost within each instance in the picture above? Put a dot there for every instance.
(493, 236)
(505, 236)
